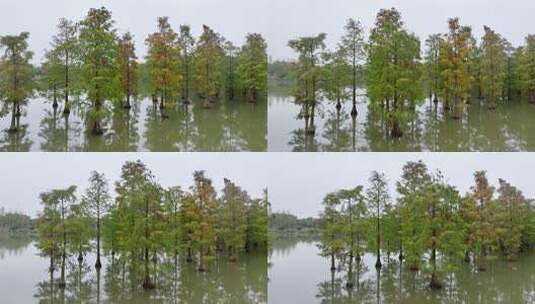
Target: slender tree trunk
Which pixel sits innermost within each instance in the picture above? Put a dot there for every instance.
(67, 108)
(98, 264)
(354, 86)
(64, 247)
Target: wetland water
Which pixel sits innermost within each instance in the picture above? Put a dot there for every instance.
(297, 274)
(509, 128)
(26, 279)
(227, 126)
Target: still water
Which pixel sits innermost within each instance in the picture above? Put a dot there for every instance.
(25, 279)
(297, 274)
(227, 126)
(510, 128)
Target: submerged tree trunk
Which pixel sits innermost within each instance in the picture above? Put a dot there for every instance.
(98, 264)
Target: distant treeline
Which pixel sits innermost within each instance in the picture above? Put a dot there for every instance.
(90, 59)
(146, 224)
(455, 70)
(283, 224)
(16, 225)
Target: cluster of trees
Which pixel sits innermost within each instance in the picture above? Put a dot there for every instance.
(16, 225)
(455, 69)
(146, 224)
(90, 58)
(288, 225)
(430, 225)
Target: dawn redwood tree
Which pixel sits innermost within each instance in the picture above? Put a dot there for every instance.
(511, 221)
(16, 73)
(354, 45)
(353, 211)
(526, 68)
(336, 76)
(231, 54)
(97, 202)
(128, 68)
(173, 198)
(48, 223)
(481, 209)
(80, 232)
(139, 202)
(252, 67)
(432, 65)
(206, 204)
(377, 198)
(64, 59)
(256, 236)
(163, 62)
(186, 44)
(208, 65)
(493, 67)
(332, 228)
(99, 68)
(393, 69)
(57, 204)
(307, 73)
(415, 180)
(233, 217)
(454, 62)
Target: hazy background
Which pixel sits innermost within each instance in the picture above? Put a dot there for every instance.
(24, 175)
(299, 182)
(277, 20)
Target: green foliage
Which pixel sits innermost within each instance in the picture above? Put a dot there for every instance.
(99, 68)
(252, 67)
(163, 62)
(208, 65)
(393, 72)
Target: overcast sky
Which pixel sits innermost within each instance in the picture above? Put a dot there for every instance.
(277, 20)
(24, 175)
(299, 181)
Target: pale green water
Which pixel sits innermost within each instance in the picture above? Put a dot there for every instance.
(510, 128)
(228, 126)
(297, 274)
(25, 279)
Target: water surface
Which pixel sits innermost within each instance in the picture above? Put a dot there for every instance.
(297, 274)
(25, 279)
(227, 126)
(509, 128)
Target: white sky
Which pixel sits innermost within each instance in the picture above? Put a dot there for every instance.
(24, 175)
(277, 20)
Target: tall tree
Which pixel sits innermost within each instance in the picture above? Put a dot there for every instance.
(377, 198)
(493, 67)
(432, 64)
(234, 218)
(97, 202)
(204, 196)
(65, 51)
(208, 66)
(186, 44)
(99, 55)
(252, 67)
(393, 72)
(354, 45)
(128, 68)
(16, 73)
(454, 60)
(163, 61)
(307, 75)
(336, 76)
(332, 241)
